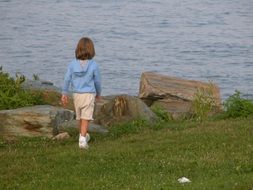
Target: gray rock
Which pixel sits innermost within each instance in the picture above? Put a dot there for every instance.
(39, 85)
(61, 136)
(176, 108)
(174, 94)
(123, 108)
(95, 128)
(42, 120)
(99, 104)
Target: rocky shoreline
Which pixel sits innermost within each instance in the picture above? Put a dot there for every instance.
(175, 95)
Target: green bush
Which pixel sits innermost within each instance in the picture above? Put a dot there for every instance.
(236, 106)
(13, 96)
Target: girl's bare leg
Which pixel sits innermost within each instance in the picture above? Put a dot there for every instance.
(83, 127)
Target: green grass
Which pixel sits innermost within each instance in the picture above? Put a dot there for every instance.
(213, 155)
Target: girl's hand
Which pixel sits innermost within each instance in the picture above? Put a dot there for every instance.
(98, 98)
(64, 100)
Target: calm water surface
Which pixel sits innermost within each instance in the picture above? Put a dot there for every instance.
(197, 39)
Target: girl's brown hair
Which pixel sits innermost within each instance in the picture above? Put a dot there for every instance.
(85, 49)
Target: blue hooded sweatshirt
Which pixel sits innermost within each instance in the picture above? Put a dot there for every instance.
(82, 79)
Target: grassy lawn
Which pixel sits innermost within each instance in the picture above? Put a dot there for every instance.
(213, 155)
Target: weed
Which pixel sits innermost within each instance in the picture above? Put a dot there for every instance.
(161, 113)
(20, 78)
(36, 77)
(203, 103)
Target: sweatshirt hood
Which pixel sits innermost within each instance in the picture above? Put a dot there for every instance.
(81, 68)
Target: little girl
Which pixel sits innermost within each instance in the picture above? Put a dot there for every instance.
(84, 78)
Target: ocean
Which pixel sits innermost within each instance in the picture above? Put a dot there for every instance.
(206, 40)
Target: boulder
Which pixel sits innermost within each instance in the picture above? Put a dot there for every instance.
(93, 128)
(123, 108)
(39, 85)
(42, 120)
(98, 104)
(176, 108)
(174, 94)
(61, 136)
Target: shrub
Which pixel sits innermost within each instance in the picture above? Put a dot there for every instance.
(236, 106)
(13, 96)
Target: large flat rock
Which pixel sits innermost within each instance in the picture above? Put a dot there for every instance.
(41, 120)
(174, 94)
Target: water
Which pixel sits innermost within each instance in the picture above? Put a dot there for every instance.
(197, 39)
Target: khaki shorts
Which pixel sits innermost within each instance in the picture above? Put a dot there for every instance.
(84, 105)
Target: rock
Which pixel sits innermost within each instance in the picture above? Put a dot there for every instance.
(123, 108)
(172, 93)
(39, 85)
(100, 103)
(176, 108)
(61, 136)
(94, 128)
(33, 121)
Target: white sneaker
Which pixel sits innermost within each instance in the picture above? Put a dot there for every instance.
(83, 142)
(87, 137)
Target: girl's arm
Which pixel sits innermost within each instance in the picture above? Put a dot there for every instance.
(67, 80)
(65, 89)
(97, 81)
